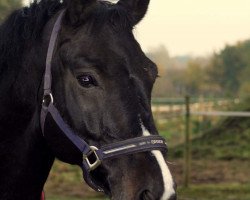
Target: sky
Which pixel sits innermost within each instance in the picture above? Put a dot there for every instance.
(194, 27)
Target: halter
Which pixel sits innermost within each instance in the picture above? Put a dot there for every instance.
(98, 155)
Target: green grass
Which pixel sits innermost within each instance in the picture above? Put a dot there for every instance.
(223, 139)
(215, 192)
(229, 140)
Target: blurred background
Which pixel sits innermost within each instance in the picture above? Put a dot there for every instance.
(200, 101)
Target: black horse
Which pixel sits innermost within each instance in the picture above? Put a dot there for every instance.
(102, 84)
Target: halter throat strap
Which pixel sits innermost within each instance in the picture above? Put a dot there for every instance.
(110, 151)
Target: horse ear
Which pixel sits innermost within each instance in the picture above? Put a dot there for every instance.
(78, 10)
(138, 8)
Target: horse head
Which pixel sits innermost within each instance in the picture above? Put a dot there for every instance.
(101, 85)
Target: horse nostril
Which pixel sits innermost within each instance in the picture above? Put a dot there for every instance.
(146, 195)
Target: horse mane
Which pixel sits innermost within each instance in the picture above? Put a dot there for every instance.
(22, 26)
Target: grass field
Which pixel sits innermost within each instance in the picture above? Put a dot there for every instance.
(215, 192)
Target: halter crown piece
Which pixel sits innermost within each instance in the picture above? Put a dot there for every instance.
(113, 150)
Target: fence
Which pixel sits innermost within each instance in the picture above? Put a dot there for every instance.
(193, 107)
(175, 107)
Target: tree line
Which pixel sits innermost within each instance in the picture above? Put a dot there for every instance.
(223, 74)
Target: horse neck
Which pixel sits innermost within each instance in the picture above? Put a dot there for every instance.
(25, 164)
(25, 158)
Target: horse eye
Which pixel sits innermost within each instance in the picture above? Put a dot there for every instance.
(87, 81)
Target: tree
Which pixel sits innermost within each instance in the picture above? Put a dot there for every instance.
(161, 58)
(230, 68)
(6, 6)
(194, 77)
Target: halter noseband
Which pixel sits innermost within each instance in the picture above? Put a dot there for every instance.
(126, 147)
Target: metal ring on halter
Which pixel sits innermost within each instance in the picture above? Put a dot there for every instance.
(92, 165)
(47, 99)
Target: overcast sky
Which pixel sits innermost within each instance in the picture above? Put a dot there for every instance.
(196, 27)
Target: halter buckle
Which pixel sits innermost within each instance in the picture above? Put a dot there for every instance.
(47, 99)
(92, 165)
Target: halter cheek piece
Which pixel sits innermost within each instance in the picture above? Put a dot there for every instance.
(126, 147)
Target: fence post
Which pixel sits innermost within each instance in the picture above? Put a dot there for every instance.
(187, 154)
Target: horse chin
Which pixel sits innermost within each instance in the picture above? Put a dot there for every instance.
(120, 196)
(140, 195)
(128, 191)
